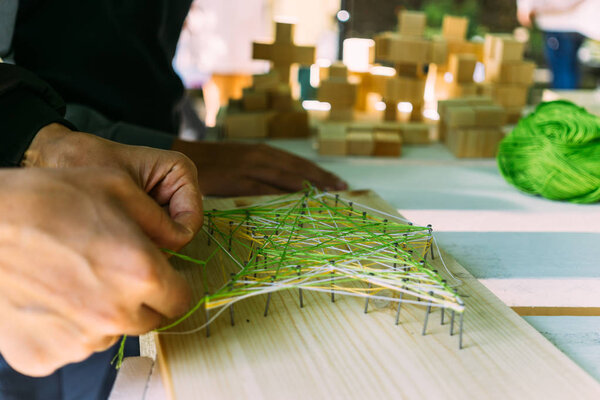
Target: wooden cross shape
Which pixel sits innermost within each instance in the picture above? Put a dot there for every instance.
(283, 52)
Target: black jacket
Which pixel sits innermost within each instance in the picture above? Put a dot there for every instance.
(114, 56)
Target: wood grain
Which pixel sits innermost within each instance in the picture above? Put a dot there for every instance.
(327, 350)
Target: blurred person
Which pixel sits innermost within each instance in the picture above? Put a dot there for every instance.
(565, 24)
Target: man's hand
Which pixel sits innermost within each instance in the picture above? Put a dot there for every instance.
(168, 177)
(234, 169)
(77, 269)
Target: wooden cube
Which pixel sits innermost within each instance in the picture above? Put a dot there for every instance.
(474, 142)
(489, 116)
(415, 133)
(289, 124)
(512, 72)
(387, 144)
(503, 48)
(337, 93)
(360, 143)
(506, 95)
(460, 116)
(405, 89)
(265, 81)
(332, 139)
(439, 51)
(245, 125)
(457, 89)
(455, 27)
(462, 67)
(338, 70)
(402, 49)
(281, 100)
(255, 100)
(412, 23)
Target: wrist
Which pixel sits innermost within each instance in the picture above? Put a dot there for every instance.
(45, 149)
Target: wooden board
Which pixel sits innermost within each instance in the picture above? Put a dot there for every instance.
(327, 350)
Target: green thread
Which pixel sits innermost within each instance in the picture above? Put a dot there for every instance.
(554, 152)
(319, 242)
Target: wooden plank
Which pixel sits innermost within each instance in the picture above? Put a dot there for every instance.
(132, 380)
(327, 350)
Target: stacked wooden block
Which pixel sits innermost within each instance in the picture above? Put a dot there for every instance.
(454, 75)
(339, 93)
(267, 108)
(507, 76)
(471, 126)
(369, 139)
(409, 51)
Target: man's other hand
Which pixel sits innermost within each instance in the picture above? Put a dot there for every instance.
(77, 269)
(236, 169)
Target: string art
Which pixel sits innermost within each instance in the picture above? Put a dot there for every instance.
(319, 242)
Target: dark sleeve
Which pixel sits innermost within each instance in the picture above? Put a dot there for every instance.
(27, 104)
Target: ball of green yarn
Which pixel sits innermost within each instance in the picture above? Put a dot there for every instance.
(554, 152)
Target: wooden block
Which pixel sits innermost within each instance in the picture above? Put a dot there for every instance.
(513, 114)
(455, 28)
(283, 52)
(415, 133)
(439, 51)
(360, 143)
(507, 95)
(337, 93)
(405, 89)
(460, 116)
(387, 144)
(289, 124)
(412, 23)
(281, 99)
(512, 72)
(247, 125)
(443, 105)
(509, 50)
(265, 81)
(503, 48)
(338, 70)
(255, 100)
(284, 33)
(474, 142)
(491, 140)
(477, 100)
(410, 70)
(402, 49)
(462, 67)
(457, 89)
(343, 114)
(489, 116)
(465, 47)
(332, 139)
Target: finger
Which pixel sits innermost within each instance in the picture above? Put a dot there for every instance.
(142, 320)
(153, 220)
(277, 178)
(252, 187)
(140, 275)
(307, 169)
(180, 190)
(167, 292)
